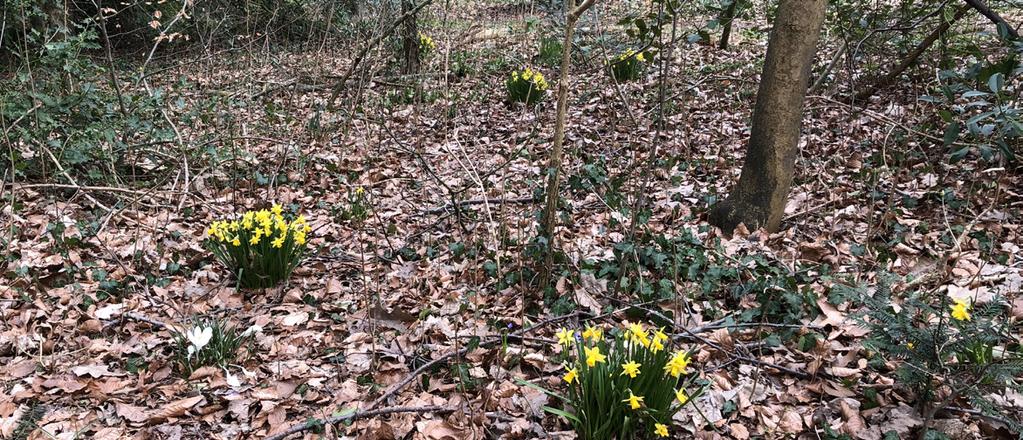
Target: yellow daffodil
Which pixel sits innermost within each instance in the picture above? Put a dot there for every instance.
(279, 242)
(571, 375)
(677, 364)
(564, 337)
(661, 430)
(640, 57)
(635, 402)
(593, 333)
(658, 340)
(656, 345)
(659, 335)
(909, 345)
(249, 244)
(638, 334)
(593, 356)
(961, 310)
(631, 369)
(681, 395)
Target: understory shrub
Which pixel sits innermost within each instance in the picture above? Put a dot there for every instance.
(63, 120)
(625, 386)
(527, 87)
(261, 248)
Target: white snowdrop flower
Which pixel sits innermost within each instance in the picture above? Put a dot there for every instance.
(199, 337)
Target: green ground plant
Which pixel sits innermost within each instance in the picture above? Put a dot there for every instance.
(207, 342)
(527, 86)
(358, 207)
(625, 386)
(261, 248)
(549, 51)
(947, 350)
(627, 66)
(426, 45)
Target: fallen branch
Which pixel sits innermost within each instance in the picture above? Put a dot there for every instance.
(910, 59)
(464, 203)
(694, 334)
(368, 411)
(138, 317)
(26, 186)
(358, 415)
(981, 7)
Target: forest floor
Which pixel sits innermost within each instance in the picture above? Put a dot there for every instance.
(89, 300)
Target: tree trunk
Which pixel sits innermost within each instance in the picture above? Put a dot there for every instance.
(550, 212)
(410, 40)
(727, 17)
(758, 199)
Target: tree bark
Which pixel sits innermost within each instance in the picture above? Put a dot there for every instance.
(550, 212)
(727, 17)
(758, 199)
(410, 40)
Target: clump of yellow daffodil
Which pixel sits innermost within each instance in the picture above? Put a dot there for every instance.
(426, 45)
(261, 248)
(632, 368)
(628, 65)
(527, 86)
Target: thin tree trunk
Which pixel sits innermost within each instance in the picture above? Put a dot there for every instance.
(727, 17)
(550, 213)
(110, 57)
(827, 70)
(410, 40)
(758, 199)
(927, 42)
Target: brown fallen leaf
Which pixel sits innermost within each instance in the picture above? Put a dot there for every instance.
(65, 382)
(132, 413)
(203, 372)
(176, 408)
(791, 423)
(854, 423)
(109, 433)
(20, 369)
(9, 423)
(95, 370)
(738, 431)
(439, 430)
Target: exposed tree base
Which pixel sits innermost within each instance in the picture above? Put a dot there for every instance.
(729, 214)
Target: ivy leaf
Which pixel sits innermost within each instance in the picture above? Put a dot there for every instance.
(951, 134)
